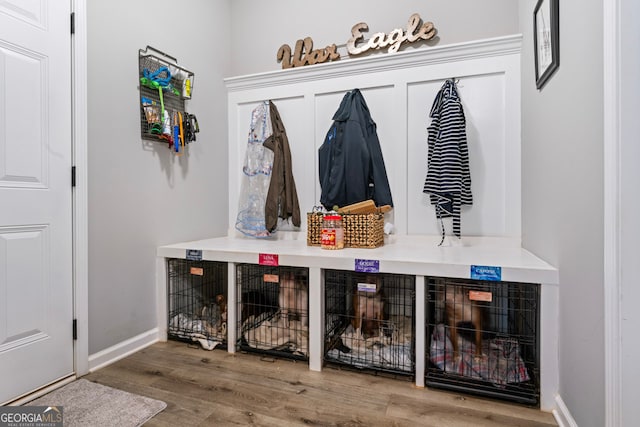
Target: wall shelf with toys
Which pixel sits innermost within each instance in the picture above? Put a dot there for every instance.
(164, 89)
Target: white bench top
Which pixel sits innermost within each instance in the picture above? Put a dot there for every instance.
(416, 255)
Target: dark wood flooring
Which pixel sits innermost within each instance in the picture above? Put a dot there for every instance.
(215, 388)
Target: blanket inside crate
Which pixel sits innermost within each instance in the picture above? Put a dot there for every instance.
(389, 350)
(500, 364)
(268, 332)
(202, 331)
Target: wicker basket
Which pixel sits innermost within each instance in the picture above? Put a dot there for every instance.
(360, 230)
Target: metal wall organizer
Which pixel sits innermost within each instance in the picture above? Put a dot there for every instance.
(164, 88)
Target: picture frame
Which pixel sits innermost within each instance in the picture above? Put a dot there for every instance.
(546, 29)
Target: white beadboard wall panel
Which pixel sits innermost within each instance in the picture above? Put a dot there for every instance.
(495, 208)
(300, 141)
(380, 102)
(399, 90)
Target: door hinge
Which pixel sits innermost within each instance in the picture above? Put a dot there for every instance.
(73, 22)
(73, 176)
(75, 329)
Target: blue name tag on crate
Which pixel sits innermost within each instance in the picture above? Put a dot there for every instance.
(367, 266)
(486, 272)
(194, 255)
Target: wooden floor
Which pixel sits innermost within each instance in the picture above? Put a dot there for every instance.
(215, 388)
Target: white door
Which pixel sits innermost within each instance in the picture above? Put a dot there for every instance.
(36, 343)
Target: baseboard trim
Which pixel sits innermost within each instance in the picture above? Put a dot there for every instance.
(122, 349)
(562, 415)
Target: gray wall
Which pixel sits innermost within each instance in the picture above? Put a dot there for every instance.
(261, 27)
(140, 194)
(562, 194)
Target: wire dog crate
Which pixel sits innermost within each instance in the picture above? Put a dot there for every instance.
(273, 307)
(484, 338)
(369, 321)
(197, 301)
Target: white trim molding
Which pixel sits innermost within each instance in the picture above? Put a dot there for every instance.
(562, 415)
(612, 225)
(123, 349)
(80, 192)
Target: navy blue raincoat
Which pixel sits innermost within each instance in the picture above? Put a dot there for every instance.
(351, 166)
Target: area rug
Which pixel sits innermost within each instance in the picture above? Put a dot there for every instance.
(86, 403)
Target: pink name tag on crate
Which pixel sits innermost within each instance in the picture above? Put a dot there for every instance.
(268, 259)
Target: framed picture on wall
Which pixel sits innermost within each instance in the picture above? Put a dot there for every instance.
(546, 30)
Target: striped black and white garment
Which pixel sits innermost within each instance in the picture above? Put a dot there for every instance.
(448, 181)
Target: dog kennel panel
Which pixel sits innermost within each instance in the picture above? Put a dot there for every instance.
(369, 321)
(273, 310)
(504, 316)
(197, 301)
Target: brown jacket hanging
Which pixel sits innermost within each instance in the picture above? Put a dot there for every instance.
(282, 198)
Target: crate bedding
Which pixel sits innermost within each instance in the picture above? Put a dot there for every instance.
(391, 350)
(209, 334)
(267, 331)
(500, 364)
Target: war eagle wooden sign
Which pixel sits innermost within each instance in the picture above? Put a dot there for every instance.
(305, 54)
